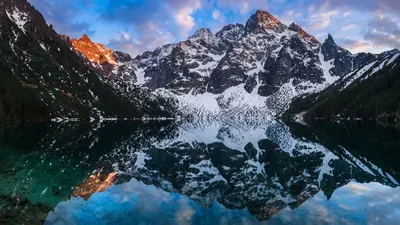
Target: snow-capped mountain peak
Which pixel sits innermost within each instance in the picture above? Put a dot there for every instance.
(329, 40)
(204, 34)
(264, 21)
(231, 33)
(307, 37)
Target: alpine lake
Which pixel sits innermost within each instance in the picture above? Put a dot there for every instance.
(199, 172)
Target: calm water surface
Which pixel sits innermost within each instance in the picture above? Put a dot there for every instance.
(199, 172)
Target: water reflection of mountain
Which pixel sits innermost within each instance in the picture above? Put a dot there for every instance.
(261, 166)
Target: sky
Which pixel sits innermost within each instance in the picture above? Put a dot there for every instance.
(135, 26)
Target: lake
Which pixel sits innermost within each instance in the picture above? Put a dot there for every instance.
(199, 172)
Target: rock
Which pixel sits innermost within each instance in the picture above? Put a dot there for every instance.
(263, 21)
(96, 53)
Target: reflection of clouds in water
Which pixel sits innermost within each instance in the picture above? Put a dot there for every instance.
(352, 204)
(311, 212)
(223, 221)
(108, 206)
(321, 214)
(380, 204)
(346, 207)
(137, 203)
(358, 188)
(185, 213)
(139, 189)
(229, 217)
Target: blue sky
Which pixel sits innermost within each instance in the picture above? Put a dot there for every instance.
(134, 26)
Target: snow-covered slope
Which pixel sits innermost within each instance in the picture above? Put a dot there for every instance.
(369, 92)
(367, 70)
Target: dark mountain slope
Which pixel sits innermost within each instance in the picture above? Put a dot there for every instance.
(372, 92)
(42, 78)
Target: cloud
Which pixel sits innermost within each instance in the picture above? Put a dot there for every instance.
(383, 31)
(184, 19)
(361, 5)
(321, 21)
(153, 23)
(389, 5)
(61, 15)
(357, 45)
(360, 46)
(152, 36)
(321, 17)
(349, 27)
(244, 6)
(218, 16)
(313, 17)
(358, 20)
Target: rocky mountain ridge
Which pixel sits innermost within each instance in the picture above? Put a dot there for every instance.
(96, 53)
(251, 70)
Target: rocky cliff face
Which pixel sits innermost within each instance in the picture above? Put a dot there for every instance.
(115, 65)
(95, 53)
(256, 69)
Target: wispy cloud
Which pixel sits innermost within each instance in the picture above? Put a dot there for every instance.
(349, 27)
(61, 14)
(184, 18)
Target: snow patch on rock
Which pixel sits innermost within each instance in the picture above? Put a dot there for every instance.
(19, 18)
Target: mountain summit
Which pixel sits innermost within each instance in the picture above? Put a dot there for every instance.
(263, 20)
(307, 37)
(96, 53)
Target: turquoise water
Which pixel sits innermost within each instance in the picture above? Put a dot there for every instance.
(201, 172)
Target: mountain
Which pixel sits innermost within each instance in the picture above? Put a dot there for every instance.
(42, 78)
(103, 60)
(252, 70)
(256, 69)
(370, 92)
